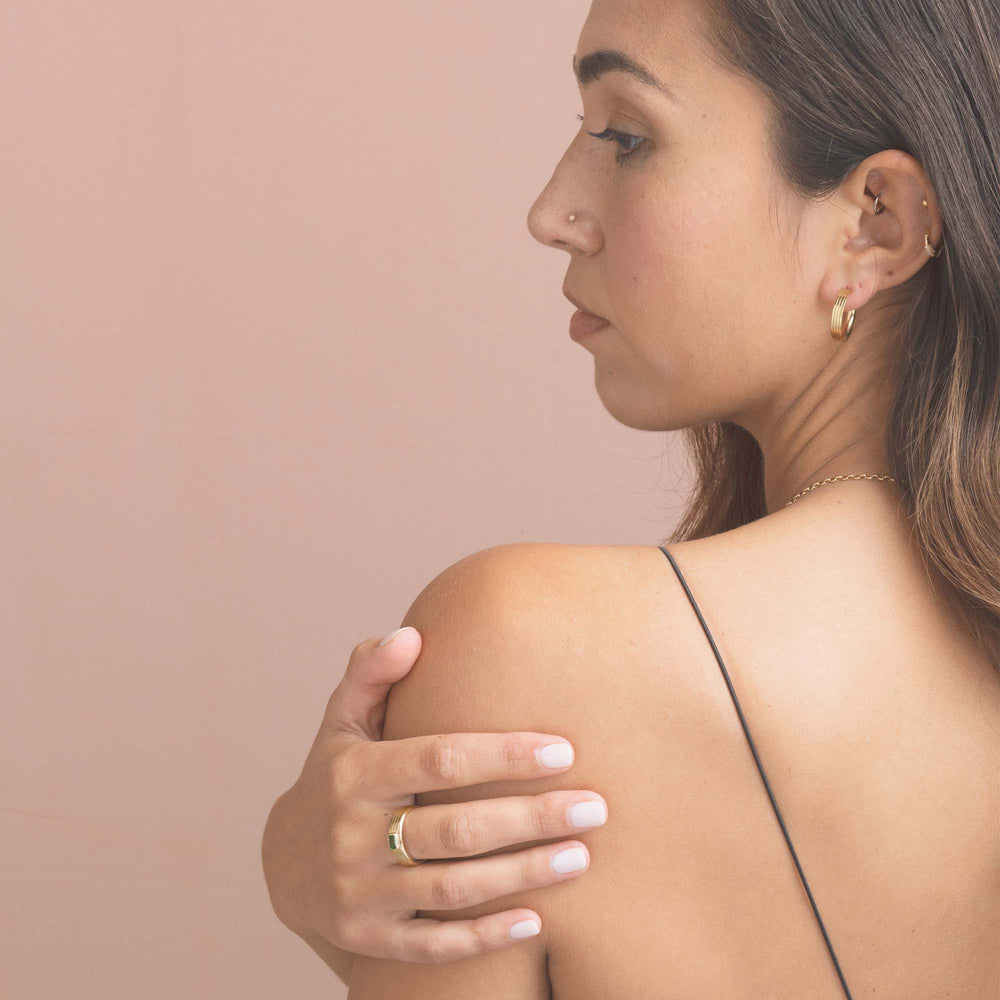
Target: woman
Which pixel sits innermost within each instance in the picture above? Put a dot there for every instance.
(786, 212)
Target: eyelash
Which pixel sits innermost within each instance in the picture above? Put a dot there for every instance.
(631, 144)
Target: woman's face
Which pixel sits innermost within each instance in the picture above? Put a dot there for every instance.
(687, 247)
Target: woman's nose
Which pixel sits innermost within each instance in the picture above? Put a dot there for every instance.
(556, 223)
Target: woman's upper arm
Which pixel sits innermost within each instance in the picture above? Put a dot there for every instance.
(515, 973)
(484, 638)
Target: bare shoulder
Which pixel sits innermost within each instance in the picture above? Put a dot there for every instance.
(552, 633)
(592, 643)
(877, 727)
(565, 623)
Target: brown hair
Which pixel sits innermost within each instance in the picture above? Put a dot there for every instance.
(845, 81)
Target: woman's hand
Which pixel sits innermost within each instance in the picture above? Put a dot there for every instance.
(324, 848)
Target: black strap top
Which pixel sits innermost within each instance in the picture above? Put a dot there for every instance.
(760, 768)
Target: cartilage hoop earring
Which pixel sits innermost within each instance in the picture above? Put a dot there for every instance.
(837, 328)
(877, 207)
(929, 248)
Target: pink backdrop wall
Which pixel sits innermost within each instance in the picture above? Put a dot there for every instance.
(277, 348)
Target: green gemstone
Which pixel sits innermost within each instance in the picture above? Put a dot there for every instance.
(393, 841)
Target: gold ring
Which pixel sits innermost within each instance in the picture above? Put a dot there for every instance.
(395, 837)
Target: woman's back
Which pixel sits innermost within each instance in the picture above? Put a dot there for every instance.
(875, 718)
(878, 727)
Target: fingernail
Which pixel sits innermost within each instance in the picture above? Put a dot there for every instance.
(555, 754)
(524, 928)
(589, 813)
(570, 860)
(392, 635)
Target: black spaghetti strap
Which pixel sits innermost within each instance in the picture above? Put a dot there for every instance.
(739, 711)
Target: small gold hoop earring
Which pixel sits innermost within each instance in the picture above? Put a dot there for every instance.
(929, 248)
(837, 328)
(877, 207)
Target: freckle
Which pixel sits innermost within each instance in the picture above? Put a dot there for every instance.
(891, 273)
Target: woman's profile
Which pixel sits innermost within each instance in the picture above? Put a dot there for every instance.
(782, 228)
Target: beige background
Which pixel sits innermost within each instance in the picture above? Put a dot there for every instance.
(277, 348)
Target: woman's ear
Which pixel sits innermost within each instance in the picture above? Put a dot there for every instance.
(875, 252)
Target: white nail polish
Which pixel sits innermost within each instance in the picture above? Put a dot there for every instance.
(590, 813)
(570, 860)
(555, 754)
(392, 635)
(524, 928)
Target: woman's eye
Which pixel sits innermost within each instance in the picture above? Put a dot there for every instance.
(630, 143)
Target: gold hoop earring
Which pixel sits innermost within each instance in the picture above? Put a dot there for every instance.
(929, 248)
(877, 207)
(837, 328)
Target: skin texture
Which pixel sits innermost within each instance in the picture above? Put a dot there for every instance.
(718, 281)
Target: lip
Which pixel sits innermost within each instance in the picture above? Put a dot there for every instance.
(582, 323)
(581, 306)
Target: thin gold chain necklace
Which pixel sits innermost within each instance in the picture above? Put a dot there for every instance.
(833, 479)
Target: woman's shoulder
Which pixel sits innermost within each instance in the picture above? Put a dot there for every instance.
(809, 610)
(564, 627)
(842, 667)
(591, 643)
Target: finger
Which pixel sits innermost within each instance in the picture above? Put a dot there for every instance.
(357, 705)
(426, 940)
(453, 885)
(395, 768)
(460, 830)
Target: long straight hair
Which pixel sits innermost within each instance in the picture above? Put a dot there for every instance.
(847, 80)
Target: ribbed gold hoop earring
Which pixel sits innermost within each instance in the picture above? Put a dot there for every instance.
(837, 329)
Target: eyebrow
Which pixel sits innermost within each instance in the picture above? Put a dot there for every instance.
(596, 64)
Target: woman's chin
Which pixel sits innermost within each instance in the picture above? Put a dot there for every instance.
(627, 410)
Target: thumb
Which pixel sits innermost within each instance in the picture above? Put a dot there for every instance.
(359, 701)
